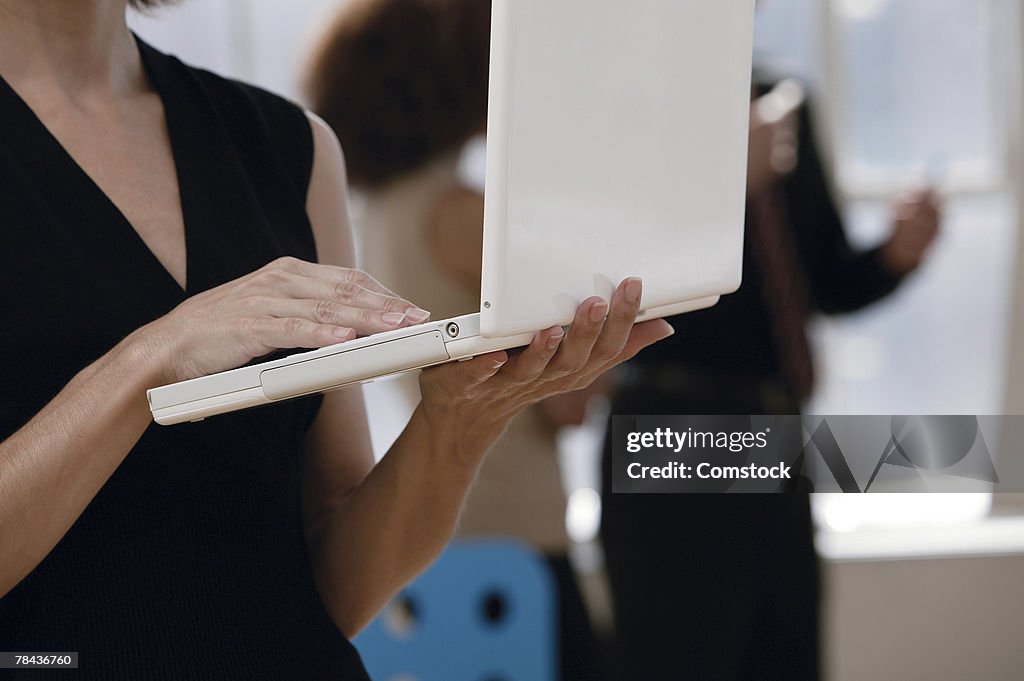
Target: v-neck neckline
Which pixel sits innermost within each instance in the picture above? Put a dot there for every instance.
(153, 76)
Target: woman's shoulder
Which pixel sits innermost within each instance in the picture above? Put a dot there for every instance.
(249, 113)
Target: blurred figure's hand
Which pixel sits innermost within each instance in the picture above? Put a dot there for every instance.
(774, 136)
(915, 225)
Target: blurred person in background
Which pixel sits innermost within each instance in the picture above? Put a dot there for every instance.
(404, 85)
(726, 586)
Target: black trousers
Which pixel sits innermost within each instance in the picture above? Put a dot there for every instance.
(709, 586)
(581, 654)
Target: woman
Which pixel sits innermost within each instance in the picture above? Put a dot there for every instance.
(159, 224)
(419, 229)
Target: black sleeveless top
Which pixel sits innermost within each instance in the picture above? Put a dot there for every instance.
(190, 562)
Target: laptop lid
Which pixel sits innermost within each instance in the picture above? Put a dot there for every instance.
(616, 147)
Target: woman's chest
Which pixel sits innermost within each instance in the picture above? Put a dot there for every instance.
(130, 160)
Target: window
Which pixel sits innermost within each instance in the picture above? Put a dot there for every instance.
(909, 92)
(917, 96)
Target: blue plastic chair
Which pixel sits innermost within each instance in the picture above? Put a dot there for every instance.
(485, 611)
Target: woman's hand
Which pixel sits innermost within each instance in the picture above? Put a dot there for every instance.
(288, 303)
(916, 220)
(478, 398)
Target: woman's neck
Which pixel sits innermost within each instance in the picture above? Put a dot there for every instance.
(82, 46)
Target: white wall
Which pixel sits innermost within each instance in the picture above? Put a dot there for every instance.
(941, 619)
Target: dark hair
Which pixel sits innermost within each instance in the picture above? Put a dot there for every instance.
(402, 81)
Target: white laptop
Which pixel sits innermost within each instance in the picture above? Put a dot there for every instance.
(616, 147)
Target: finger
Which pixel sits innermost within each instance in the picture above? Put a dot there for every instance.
(332, 272)
(344, 282)
(926, 232)
(621, 319)
(908, 233)
(295, 332)
(925, 206)
(345, 293)
(643, 335)
(919, 197)
(931, 199)
(356, 295)
(932, 213)
(530, 364)
(920, 206)
(364, 320)
(922, 229)
(354, 276)
(909, 204)
(910, 257)
(586, 327)
(461, 377)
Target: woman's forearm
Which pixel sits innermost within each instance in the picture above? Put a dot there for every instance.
(399, 519)
(65, 454)
(52, 467)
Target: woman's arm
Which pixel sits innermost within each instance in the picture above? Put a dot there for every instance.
(338, 450)
(52, 467)
(371, 530)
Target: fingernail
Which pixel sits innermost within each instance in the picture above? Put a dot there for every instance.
(498, 363)
(342, 334)
(393, 318)
(417, 315)
(553, 341)
(599, 311)
(633, 290)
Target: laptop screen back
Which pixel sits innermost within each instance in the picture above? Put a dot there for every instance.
(616, 147)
